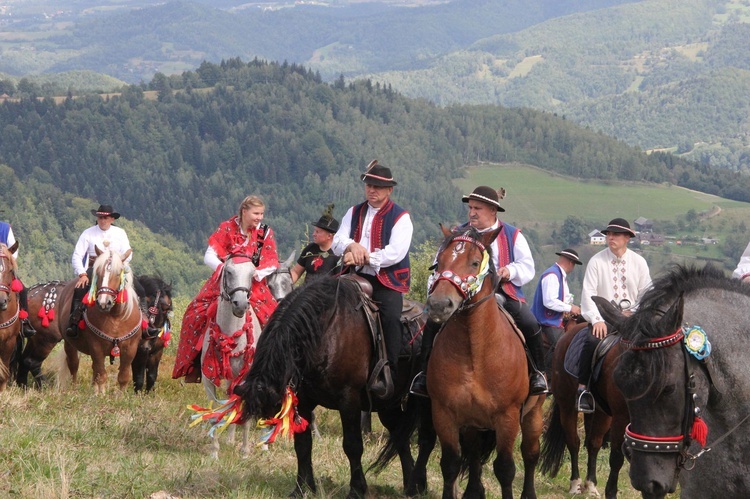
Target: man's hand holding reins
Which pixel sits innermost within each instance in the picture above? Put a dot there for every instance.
(356, 254)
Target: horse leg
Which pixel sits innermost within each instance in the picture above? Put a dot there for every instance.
(353, 447)
(246, 448)
(531, 429)
(390, 419)
(426, 437)
(152, 369)
(139, 371)
(504, 465)
(303, 451)
(596, 427)
(616, 456)
(569, 422)
(125, 373)
(72, 361)
(471, 447)
(450, 460)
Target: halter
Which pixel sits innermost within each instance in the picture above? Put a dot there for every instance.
(468, 286)
(695, 345)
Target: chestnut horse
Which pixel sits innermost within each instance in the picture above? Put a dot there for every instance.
(111, 323)
(156, 335)
(478, 376)
(611, 415)
(10, 323)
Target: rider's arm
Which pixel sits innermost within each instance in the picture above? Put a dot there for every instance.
(342, 240)
(591, 279)
(80, 255)
(211, 259)
(397, 247)
(521, 269)
(551, 293)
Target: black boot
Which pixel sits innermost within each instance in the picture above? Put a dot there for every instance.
(585, 401)
(26, 328)
(537, 380)
(76, 313)
(419, 383)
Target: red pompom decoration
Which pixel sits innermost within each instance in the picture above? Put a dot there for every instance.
(82, 324)
(23, 314)
(42, 313)
(45, 321)
(16, 286)
(122, 296)
(699, 432)
(51, 314)
(115, 352)
(144, 324)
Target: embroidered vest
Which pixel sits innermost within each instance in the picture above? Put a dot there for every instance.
(398, 275)
(544, 315)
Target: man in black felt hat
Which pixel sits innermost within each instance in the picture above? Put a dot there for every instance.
(317, 258)
(552, 299)
(514, 264)
(375, 237)
(616, 274)
(102, 235)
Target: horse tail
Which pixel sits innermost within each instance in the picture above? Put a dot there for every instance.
(59, 365)
(401, 433)
(553, 442)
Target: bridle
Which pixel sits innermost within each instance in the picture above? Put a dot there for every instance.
(152, 313)
(693, 427)
(226, 294)
(468, 285)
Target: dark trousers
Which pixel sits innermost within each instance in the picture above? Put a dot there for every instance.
(587, 354)
(391, 302)
(525, 320)
(551, 335)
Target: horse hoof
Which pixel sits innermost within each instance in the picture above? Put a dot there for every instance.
(264, 447)
(590, 489)
(575, 487)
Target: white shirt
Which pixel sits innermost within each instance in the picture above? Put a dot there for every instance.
(615, 279)
(395, 251)
(743, 267)
(93, 237)
(522, 267)
(11, 241)
(551, 292)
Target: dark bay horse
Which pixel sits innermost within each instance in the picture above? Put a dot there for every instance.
(478, 376)
(317, 342)
(156, 335)
(112, 322)
(686, 379)
(611, 415)
(10, 308)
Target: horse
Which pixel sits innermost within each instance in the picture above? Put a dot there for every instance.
(685, 376)
(280, 281)
(156, 335)
(10, 309)
(477, 376)
(318, 344)
(611, 416)
(230, 339)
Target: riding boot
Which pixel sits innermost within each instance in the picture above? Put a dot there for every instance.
(76, 314)
(584, 398)
(537, 380)
(419, 383)
(26, 328)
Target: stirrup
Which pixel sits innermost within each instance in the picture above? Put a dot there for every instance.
(419, 385)
(585, 402)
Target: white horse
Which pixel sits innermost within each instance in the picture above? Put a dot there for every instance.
(280, 282)
(225, 340)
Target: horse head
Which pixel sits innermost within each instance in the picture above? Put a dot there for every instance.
(158, 303)
(236, 281)
(280, 282)
(8, 268)
(111, 281)
(463, 261)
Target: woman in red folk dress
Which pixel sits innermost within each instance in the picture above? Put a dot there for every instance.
(243, 234)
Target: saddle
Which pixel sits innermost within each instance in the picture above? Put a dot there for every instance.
(412, 322)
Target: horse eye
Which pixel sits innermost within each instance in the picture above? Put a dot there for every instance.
(669, 389)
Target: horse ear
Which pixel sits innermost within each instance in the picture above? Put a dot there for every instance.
(489, 237)
(13, 248)
(289, 261)
(611, 314)
(672, 318)
(125, 255)
(446, 231)
(97, 250)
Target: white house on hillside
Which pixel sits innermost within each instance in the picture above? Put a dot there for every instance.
(596, 237)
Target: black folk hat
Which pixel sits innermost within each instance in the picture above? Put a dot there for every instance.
(487, 195)
(379, 175)
(105, 210)
(327, 222)
(571, 255)
(619, 225)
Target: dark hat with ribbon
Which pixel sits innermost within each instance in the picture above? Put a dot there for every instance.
(105, 210)
(327, 222)
(571, 255)
(487, 195)
(619, 225)
(379, 175)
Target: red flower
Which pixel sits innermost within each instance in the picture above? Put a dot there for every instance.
(316, 263)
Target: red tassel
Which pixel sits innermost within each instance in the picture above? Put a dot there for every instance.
(45, 321)
(122, 296)
(23, 314)
(82, 324)
(42, 313)
(16, 286)
(51, 314)
(699, 433)
(144, 324)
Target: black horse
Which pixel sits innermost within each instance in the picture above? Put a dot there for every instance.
(156, 301)
(317, 342)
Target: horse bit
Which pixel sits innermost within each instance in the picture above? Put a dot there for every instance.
(680, 443)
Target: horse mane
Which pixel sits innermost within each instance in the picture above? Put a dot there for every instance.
(291, 339)
(117, 267)
(6, 252)
(153, 284)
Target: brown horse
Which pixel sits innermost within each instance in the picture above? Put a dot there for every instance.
(478, 373)
(10, 323)
(112, 322)
(611, 416)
